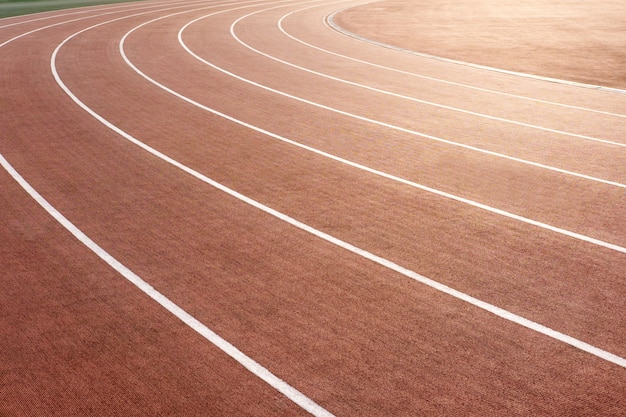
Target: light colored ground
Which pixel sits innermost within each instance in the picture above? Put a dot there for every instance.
(578, 40)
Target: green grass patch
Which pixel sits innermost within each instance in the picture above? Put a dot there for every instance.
(10, 8)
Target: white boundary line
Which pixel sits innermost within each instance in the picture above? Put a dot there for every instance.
(387, 125)
(363, 253)
(345, 32)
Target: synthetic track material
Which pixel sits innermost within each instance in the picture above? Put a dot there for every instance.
(353, 336)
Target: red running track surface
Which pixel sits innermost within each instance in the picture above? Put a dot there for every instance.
(373, 232)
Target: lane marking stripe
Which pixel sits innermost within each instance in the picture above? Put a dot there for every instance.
(610, 357)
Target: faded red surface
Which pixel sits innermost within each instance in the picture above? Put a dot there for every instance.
(354, 336)
(578, 40)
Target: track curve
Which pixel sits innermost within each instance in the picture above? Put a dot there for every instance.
(273, 213)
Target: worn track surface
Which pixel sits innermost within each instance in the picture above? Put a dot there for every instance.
(232, 208)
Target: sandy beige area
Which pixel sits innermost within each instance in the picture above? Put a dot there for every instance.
(577, 40)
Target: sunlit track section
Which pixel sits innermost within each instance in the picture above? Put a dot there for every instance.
(247, 362)
(490, 117)
(329, 21)
(353, 164)
(326, 237)
(388, 125)
(408, 98)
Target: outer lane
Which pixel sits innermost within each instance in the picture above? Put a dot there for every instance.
(174, 216)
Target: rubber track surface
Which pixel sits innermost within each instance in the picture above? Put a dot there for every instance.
(295, 190)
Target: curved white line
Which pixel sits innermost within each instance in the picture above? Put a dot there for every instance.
(345, 32)
(610, 357)
(416, 100)
(251, 365)
(247, 362)
(387, 125)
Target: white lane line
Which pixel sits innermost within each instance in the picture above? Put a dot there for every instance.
(247, 362)
(593, 350)
(429, 103)
(440, 193)
(469, 64)
(250, 364)
(327, 19)
(388, 125)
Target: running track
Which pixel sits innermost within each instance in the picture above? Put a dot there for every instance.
(231, 208)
